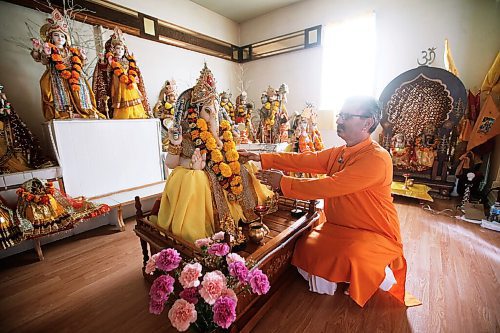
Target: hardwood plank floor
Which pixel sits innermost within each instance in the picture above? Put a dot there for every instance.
(93, 283)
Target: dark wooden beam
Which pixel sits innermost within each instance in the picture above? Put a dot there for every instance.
(109, 15)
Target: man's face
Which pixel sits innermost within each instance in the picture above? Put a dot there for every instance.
(352, 122)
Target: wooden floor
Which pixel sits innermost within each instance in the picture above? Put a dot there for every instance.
(93, 283)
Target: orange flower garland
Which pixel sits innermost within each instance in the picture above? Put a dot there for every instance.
(37, 198)
(229, 108)
(318, 141)
(274, 109)
(223, 163)
(130, 78)
(71, 74)
(305, 144)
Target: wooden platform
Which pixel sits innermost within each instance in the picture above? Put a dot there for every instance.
(273, 256)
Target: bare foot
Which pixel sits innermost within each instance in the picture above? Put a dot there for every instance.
(198, 161)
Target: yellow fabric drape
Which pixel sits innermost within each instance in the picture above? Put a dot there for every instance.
(127, 103)
(187, 209)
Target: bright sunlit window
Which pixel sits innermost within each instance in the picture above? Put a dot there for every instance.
(348, 61)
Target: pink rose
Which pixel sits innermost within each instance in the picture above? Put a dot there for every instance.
(224, 311)
(219, 249)
(168, 260)
(212, 286)
(162, 287)
(239, 270)
(182, 314)
(156, 307)
(199, 243)
(232, 257)
(189, 275)
(258, 282)
(218, 236)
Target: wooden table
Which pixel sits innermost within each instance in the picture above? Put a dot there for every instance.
(273, 256)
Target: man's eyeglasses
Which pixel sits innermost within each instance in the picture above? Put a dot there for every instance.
(347, 116)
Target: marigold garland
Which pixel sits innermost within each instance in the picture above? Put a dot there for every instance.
(229, 108)
(243, 115)
(274, 110)
(131, 77)
(318, 141)
(305, 144)
(223, 163)
(72, 74)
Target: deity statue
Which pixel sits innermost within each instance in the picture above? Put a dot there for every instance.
(118, 82)
(244, 116)
(425, 149)
(400, 151)
(208, 186)
(42, 209)
(226, 107)
(274, 125)
(282, 116)
(10, 233)
(19, 149)
(306, 136)
(164, 110)
(65, 91)
(268, 113)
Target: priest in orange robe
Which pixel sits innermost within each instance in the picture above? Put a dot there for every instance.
(360, 243)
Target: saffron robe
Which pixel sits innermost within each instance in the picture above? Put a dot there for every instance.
(361, 235)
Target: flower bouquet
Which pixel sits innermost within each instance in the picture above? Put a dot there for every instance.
(201, 292)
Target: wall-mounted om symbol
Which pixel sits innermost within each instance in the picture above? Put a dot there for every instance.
(428, 57)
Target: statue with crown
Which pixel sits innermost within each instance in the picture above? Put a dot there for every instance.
(210, 189)
(243, 119)
(65, 91)
(118, 84)
(164, 110)
(273, 127)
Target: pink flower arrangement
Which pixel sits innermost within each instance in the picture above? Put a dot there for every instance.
(224, 311)
(259, 282)
(206, 298)
(212, 286)
(182, 314)
(219, 249)
(189, 275)
(203, 242)
(162, 287)
(239, 270)
(168, 260)
(232, 257)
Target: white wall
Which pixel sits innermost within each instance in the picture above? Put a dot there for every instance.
(404, 29)
(20, 75)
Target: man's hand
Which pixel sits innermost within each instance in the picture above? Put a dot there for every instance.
(249, 155)
(271, 178)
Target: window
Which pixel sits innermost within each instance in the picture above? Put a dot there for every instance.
(348, 67)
